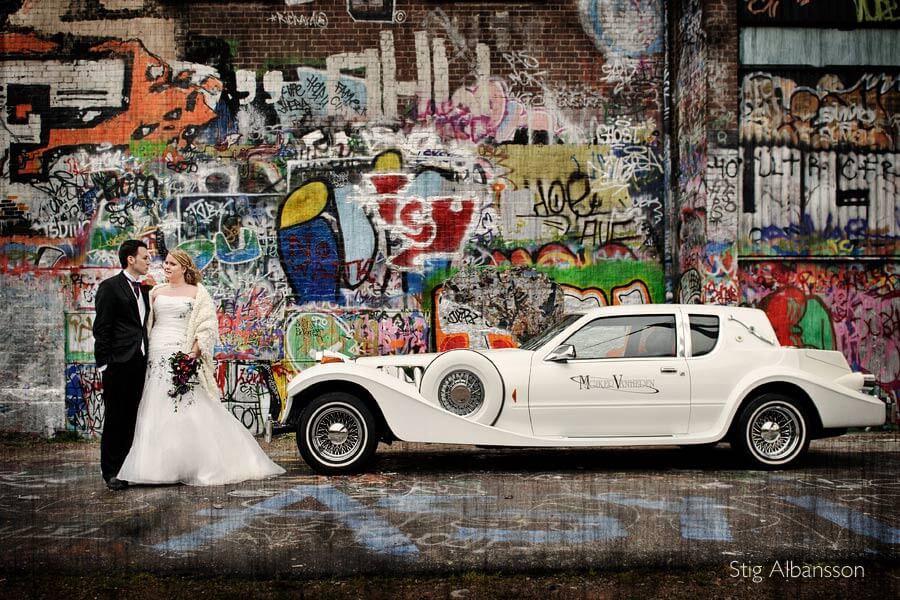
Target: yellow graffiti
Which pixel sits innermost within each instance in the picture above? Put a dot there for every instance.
(769, 7)
(581, 180)
(876, 11)
(388, 162)
(304, 203)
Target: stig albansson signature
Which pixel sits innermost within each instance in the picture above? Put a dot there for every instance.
(790, 570)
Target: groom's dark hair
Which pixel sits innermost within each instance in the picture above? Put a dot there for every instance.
(129, 248)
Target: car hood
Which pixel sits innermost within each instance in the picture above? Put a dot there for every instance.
(401, 360)
(423, 360)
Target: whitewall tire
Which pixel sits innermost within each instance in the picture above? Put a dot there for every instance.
(337, 434)
(773, 431)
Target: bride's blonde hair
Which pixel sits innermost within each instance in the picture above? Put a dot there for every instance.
(191, 272)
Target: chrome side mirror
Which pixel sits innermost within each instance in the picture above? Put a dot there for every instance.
(562, 353)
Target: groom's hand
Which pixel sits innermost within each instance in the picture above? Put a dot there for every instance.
(148, 280)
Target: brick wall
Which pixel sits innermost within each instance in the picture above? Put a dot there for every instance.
(521, 146)
(268, 34)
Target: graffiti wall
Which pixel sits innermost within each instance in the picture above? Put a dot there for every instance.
(806, 13)
(785, 184)
(336, 172)
(820, 163)
(854, 308)
(819, 224)
(705, 207)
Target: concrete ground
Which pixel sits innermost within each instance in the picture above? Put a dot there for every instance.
(441, 511)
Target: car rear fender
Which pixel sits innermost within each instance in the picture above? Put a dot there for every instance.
(778, 385)
(406, 414)
(828, 401)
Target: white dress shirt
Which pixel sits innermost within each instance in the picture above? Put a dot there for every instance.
(142, 310)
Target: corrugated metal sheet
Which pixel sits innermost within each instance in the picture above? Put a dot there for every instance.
(819, 47)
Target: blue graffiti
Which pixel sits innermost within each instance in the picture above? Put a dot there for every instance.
(855, 229)
(370, 530)
(311, 260)
(701, 518)
(359, 237)
(847, 518)
(603, 20)
(75, 403)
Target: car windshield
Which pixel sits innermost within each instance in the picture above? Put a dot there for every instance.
(541, 338)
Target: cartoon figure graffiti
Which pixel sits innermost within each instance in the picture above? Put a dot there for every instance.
(308, 242)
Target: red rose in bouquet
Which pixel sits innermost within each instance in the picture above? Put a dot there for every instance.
(184, 375)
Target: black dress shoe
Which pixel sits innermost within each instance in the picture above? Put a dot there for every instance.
(115, 484)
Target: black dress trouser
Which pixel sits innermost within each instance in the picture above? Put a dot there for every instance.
(123, 384)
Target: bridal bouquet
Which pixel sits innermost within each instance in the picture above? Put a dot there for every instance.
(184, 375)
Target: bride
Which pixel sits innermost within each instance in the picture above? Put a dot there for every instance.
(191, 439)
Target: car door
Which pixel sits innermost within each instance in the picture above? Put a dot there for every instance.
(628, 377)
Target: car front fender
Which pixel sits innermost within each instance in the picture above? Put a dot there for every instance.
(410, 416)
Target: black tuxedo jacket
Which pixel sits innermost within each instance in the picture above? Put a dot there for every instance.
(118, 329)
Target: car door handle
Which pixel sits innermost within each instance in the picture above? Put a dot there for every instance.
(668, 370)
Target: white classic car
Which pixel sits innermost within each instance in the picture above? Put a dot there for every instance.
(636, 375)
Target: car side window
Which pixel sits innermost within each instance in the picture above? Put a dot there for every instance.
(704, 333)
(633, 336)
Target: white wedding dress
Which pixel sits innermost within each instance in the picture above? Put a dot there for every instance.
(200, 443)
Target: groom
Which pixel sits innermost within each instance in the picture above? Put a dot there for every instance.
(120, 349)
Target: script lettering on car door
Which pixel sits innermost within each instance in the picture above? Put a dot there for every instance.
(629, 385)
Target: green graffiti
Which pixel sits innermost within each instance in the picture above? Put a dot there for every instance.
(308, 333)
(815, 326)
(609, 274)
(147, 149)
(876, 11)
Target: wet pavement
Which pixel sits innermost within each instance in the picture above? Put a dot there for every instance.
(442, 509)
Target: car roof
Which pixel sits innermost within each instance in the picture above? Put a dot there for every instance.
(632, 309)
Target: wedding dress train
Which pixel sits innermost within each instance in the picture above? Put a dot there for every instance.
(196, 442)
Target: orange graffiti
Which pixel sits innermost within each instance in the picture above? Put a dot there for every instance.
(22, 43)
(453, 341)
(550, 255)
(635, 292)
(499, 340)
(162, 104)
(589, 297)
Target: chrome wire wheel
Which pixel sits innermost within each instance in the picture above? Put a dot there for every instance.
(337, 433)
(776, 432)
(461, 392)
(464, 383)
